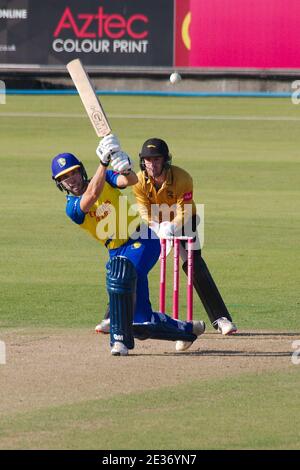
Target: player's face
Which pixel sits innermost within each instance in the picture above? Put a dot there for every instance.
(73, 182)
(154, 166)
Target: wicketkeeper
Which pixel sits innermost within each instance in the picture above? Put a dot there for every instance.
(160, 186)
(95, 204)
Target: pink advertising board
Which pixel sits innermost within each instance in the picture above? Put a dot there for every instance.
(238, 33)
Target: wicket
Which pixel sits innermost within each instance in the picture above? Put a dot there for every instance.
(162, 286)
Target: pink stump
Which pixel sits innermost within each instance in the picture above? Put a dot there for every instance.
(162, 284)
(190, 280)
(176, 279)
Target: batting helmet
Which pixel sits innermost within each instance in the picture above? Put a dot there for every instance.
(62, 164)
(155, 148)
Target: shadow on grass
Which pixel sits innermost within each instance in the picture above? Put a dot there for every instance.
(255, 334)
(210, 352)
(217, 353)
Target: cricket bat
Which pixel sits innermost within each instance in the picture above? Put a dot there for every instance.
(89, 98)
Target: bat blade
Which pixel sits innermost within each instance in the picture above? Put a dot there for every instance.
(89, 98)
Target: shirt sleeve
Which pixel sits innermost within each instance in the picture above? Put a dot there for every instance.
(111, 178)
(143, 202)
(74, 211)
(184, 202)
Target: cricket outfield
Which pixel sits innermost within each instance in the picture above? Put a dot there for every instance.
(60, 387)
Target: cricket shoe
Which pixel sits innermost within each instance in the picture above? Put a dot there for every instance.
(198, 329)
(225, 326)
(103, 327)
(119, 349)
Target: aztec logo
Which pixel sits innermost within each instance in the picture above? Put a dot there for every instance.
(101, 32)
(101, 24)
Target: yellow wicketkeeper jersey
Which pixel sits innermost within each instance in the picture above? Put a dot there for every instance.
(176, 194)
(108, 220)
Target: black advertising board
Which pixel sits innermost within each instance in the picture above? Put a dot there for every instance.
(100, 32)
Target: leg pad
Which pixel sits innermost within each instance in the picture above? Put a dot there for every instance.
(121, 280)
(162, 331)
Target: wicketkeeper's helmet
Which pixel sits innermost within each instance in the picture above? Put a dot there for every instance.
(62, 164)
(155, 148)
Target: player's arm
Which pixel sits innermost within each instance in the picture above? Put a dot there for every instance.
(130, 179)
(184, 213)
(107, 146)
(184, 204)
(143, 202)
(94, 189)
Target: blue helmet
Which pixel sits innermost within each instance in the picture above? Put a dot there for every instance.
(62, 164)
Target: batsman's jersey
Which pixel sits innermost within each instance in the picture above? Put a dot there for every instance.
(108, 220)
(176, 194)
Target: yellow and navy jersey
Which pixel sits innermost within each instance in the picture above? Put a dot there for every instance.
(108, 220)
(176, 193)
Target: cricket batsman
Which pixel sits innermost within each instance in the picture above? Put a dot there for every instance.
(94, 205)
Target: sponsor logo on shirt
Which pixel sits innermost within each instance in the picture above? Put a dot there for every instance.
(102, 211)
(188, 196)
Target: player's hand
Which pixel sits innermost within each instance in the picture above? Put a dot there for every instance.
(166, 230)
(121, 162)
(160, 231)
(107, 147)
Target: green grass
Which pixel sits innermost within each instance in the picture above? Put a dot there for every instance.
(245, 172)
(197, 415)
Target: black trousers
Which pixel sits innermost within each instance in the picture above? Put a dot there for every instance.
(202, 280)
(207, 290)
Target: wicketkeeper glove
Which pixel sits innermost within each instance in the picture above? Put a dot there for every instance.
(154, 226)
(166, 230)
(107, 147)
(121, 162)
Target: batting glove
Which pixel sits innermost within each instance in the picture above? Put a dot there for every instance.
(107, 147)
(121, 162)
